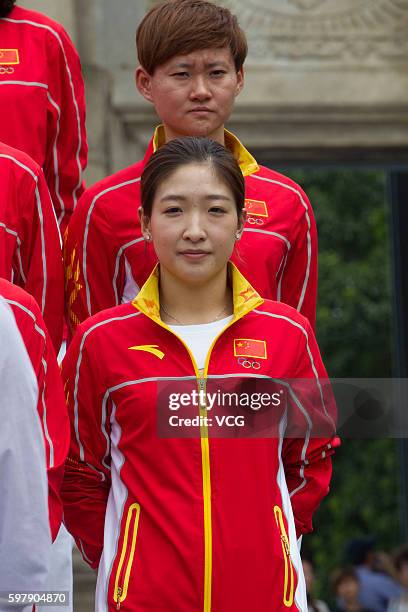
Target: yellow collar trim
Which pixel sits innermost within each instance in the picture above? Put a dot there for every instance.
(247, 163)
(245, 298)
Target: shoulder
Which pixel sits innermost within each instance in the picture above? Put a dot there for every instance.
(43, 23)
(266, 180)
(111, 189)
(20, 300)
(281, 314)
(18, 161)
(106, 323)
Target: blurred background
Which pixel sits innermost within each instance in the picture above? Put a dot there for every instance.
(325, 102)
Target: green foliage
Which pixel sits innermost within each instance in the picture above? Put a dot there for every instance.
(354, 335)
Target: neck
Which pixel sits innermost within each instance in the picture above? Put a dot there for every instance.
(217, 135)
(194, 304)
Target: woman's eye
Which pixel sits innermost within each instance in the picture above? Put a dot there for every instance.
(173, 210)
(218, 73)
(180, 75)
(217, 210)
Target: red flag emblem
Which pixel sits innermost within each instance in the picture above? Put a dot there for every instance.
(246, 347)
(9, 57)
(256, 208)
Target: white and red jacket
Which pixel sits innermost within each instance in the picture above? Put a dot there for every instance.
(30, 243)
(51, 401)
(42, 102)
(107, 262)
(197, 524)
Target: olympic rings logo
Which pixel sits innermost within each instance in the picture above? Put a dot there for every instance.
(253, 221)
(245, 363)
(6, 70)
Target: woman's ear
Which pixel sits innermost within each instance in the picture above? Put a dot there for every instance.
(144, 83)
(241, 222)
(145, 225)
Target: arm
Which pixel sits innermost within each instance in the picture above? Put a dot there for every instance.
(92, 282)
(87, 480)
(299, 279)
(51, 402)
(67, 149)
(24, 529)
(309, 441)
(41, 258)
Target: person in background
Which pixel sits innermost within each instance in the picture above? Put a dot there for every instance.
(377, 587)
(30, 244)
(313, 605)
(400, 559)
(200, 523)
(53, 415)
(42, 101)
(346, 587)
(191, 56)
(24, 525)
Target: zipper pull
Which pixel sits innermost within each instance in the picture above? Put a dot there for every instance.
(118, 595)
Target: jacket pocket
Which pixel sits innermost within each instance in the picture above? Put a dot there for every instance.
(127, 554)
(288, 577)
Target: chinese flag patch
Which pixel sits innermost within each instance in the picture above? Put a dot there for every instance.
(9, 57)
(246, 347)
(256, 208)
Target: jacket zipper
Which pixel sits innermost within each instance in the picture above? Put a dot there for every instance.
(288, 581)
(126, 556)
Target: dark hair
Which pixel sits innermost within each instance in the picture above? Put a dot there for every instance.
(183, 26)
(341, 575)
(6, 6)
(188, 150)
(400, 557)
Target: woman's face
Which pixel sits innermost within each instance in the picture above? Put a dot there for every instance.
(194, 224)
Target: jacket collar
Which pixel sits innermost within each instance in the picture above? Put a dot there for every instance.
(245, 298)
(247, 163)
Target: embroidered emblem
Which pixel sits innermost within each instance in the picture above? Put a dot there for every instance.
(247, 347)
(256, 208)
(9, 57)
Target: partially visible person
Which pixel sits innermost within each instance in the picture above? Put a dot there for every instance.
(30, 243)
(51, 405)
(346, 588)
(377, 587)
(25, 539)
(42, 101)
(400, 559)
(313, 605)
(191, 55)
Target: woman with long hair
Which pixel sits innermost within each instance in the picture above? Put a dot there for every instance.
(174, 513)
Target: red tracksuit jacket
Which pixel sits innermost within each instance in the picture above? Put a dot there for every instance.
(193, 524)
(51, 401)
(107, 262)
(30, 243)
(42, 102)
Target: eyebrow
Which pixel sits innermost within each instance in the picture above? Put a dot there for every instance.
(173, 197)
(208, 65)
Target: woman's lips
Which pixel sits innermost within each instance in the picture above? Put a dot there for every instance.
(194, 255)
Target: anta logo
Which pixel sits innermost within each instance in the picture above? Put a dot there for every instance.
(9, 57)
(256, 208)
(148, 348)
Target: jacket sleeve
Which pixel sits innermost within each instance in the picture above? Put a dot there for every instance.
(25, 534)
(299, 278)
(87, 472)
(93, 277)
(310, 434)
(52, 409)
(67, 149)
(40, 269)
